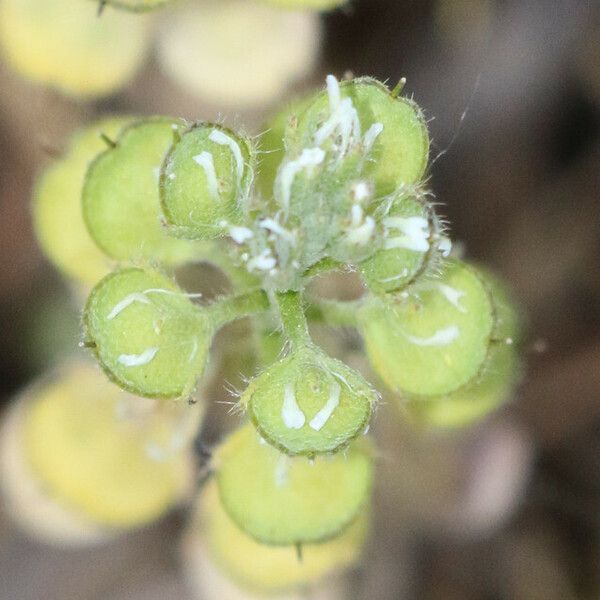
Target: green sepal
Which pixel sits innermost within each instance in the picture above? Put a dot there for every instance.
(434, 340)
(121, 204)
(281, 500)
(309, 403)
(147, 334)
(56, 206)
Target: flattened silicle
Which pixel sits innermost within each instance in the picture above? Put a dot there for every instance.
(309, 404)
(394, 128)
(273, 568)
(436, 339)
(148, 335)
(205, 181)
(121, 203)
(410, 246)
(281, 500)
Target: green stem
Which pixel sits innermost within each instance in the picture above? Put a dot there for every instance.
(334, 312)
(293, 318)
(232, 308)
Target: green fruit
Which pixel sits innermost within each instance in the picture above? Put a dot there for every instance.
(270, 569)
(435, 340)
(280, 500)
(121, 196)
(309, 403)
(394, 130)
(205, 181)
(147, 334)
(411, 245)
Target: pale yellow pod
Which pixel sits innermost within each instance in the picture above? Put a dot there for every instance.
(65, 44)
(238, 52)
(56, 207)
(93, 460)
(271, 569)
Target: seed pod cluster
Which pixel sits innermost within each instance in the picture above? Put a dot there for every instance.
(338, 182)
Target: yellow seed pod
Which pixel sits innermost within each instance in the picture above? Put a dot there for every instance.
(104, 456)
(25, 500)
(236, 52)
(57, 215)
(66, 45)
(270, 569)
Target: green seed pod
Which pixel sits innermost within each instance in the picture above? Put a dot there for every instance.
(309, 403)
(134, 5)
(490, 389)
(121, 195)
(147, 334)
(363, 113)
(65, 45)
(281, 500)
(272, 569)
(434, 340)
(205, 181)
(57, 217)
(413, 245)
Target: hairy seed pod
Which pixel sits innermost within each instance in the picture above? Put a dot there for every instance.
(147, 334)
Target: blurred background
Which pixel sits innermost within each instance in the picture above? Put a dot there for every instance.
(508, 509)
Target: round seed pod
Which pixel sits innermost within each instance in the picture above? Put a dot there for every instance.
(399, 147)
(411, 245)
(121, 205)
(489, 390)
(205, 181)
(147, 334)
(272, 569)
(281, 500)
(63, 44)
(90, 458)
(211, 49)
(57, 215)
(309, 403)
(435, 340)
